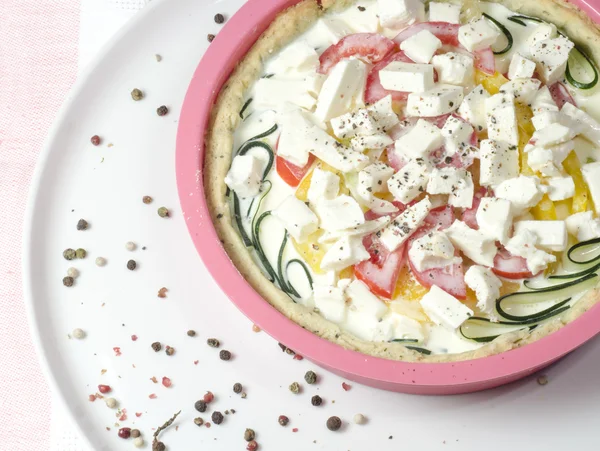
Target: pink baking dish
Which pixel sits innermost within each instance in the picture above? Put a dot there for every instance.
(226, 50)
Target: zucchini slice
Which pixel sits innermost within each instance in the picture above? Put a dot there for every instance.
(504, 30)
(246, 105)
(580, 63)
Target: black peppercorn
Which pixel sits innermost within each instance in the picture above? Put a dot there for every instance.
(200, 406)
(334, 423)
(219, 18)
(316, 400)
(225, 355)
(68, 281)
(131, 265)
(156, 346)
(82, 224)
(249, 435)
(237, 388)
(158, 446)
(217, 417)
(162, 110)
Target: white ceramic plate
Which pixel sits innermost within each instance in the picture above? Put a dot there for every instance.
(105, 185)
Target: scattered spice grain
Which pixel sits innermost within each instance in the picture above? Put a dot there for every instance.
(73, 272)
(283, 420)
(131, 265)
(213, 343)
(124, 433)
(191, 333)
(81, 253)
(162, 293)
(135, 433)
(210, 37)
(156, 346)
(163, 212)
(147, 200)
(542, 380)
(78, 333)
(169, 350)
(294, 388)
(252, 446)
(219, 18)
(68, 281)
(198, 421)
(316, 400)
(100, 261)
(249, 434)
(237, 388)
(69, 254)
(200, 406)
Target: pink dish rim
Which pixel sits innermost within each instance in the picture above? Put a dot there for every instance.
(212, 71)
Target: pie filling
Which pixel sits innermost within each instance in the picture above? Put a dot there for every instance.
(424, 174)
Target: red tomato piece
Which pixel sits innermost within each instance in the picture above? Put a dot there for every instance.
(382, 279)
(445, 32)
(290, 173)
(395, 160)
(510, 266)
(560, 94)
(485, 61)
(369, 46)
(451, 279)
(469, 216)
(440, 218)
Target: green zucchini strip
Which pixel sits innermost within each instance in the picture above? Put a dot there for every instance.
(419, 349)
(520, 19)
(259, 249)
(259, 144)
(582, 249)
(304, 268)
(285, 286)
(534, 317)
(583, 57)
(246, 105)
(238, 221)
(505, 31)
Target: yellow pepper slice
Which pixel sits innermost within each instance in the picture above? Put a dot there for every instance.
(581, 200)
(491, 83)
(526, 129)
(311, 251)
(544, 210)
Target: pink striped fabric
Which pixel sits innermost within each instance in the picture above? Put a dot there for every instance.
(38, 64)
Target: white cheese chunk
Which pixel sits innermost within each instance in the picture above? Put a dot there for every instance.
(365, 311)
(552, 135)
(561, 188)
(541, 32)
(410, 181)
(297, 218)
(361, 20)
(582, 226)
(324, 185)
(405, 224)
(378, 141)
(444, 12)
(406, 77)
(347, 251)
(454, 68)
(383, 113)
(499, 161)
(245, 175)
(455, 182)
(442, 99)
(422, 139)
(502, 118)
(478, 34)
(457, 135)
(339, 213)
(334, 154)
(542, 160)
(543, 101)
(551, 56)
(444, 309)
(432, 250)
(523, 245)
(473, 243)
(271, 93)
(590, 127)
(486, 286)
(472, 108)
(331, 302)
(327, 31)
(342, 89)
(397, 13)
(545, 119)
(360, 230)
(520, 67)
(524, 90)
(494, 218)
(591, 175)
(349, 125)
(296, 57)
(421, 46)
(404, 327)
(522, 192)
(374, 179)
(551, 235)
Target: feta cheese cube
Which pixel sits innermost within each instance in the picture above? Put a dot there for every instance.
(383, 113)
(494, 218)
(421, 46)
(397, 13)
(551, 235)
(404, 327)
(542, 160)
(523, 245)
(543, 101)
(472, 108)
(540, 33)
(442, 99)
(374, 179)
(454, 68)
(331, 302)
(361, 20)
(245, 175)
(522, 192)
(339, 213)
(590, 128)
(406, 77)
(591, 175)
(365, 311)
(405, 224)
(360, 230)
(545, 119)
(457, 135)
(444, 12)
(552, 135)
(444, 309)
(502, 119)
(551, 56)
(523, 90)
(347, 251)
(582, 226)
(423, 138)
(351, 124)
(410, 181)
(341, 90)
(378, 141)
(476, 245)
(433, 250)
(477, 35)
(324, 185)
(561, 188)
(327, 31)
(271, 93)
(297, 218)
(455, 182)
(486, 286)
(499, 161)
(296, 57)
(520, 67)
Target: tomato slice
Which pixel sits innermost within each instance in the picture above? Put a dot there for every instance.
(381, 279)
(290, 173)
(510, 266)
(451, 279)
(440, 218)
(369, 46)
(560, 94)
(485, 61)
(445, 32)
(469, 216)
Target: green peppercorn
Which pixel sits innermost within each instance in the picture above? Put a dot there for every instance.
(82, 224)
(136, 94)
(249, 435)
(310, 377)
(295, 388)
(163, 212)
(69, 254)
(198, 421)
(80, 253)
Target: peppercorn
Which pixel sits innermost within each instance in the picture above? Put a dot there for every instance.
(68, 281)
(136, 94)
(200, 405)
(78, 333)
(219, 18)
(210, 37)
(237, 388)
(359, 418)
(135, 433)
(334, 423)
(208, 397)
(131, 265)
(138, 442)
(100, 261)
(111, 403)
(252, 446)
(73, 272)
(191, 333)
(163, 212)
(158, 58)
(283, 420)
(124, 432)
(156, 346)
(158, 446)
(147, 200)
(295, 388)
(198, 421)
(82, 224)
(217, 417)
(69, 254)
(249, 435)
(162, 293)
(361, 8)
(130, 246)
(162, 110)
(95, 140)
(225, 355)
(104, 389)
(316, 400)
(310, 377)
(170, 351)
(542, 380)
(80, 253)
(213, 343)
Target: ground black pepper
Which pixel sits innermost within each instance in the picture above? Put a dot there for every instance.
(131, 265)
(219, 18)
(200, 406)
(217, 417)
(334, 423)
(237, 387)
(82, 224)
(156, 346)
(225, 355)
